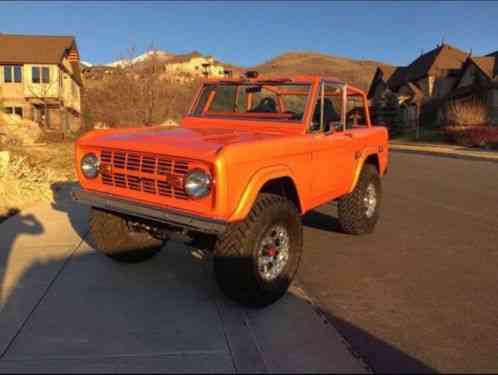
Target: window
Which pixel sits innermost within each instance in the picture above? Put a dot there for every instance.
(14, 111)
(330, 118)
(263, 100)
(35, 74)
(355, 112)
(12, 73)
(40, 74)
(17, 74)
(45, 75)
(224, 100)
(266, 100)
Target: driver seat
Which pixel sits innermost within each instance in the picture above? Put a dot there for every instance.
(267, 104)
(329, 113)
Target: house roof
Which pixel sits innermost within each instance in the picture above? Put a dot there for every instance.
(443, 57)
(386, 71)
(35, 49)
(487, 64)
(495, 56)
(383, 73)
(398, 77)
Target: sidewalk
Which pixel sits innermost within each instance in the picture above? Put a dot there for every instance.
(435, 149)
(66, 308)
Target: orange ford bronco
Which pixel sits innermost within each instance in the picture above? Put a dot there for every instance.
(251, 156)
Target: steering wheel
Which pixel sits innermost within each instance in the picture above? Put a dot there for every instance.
(266, 105)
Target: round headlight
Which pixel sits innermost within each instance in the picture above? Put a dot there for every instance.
(90, 166)
(198, 183)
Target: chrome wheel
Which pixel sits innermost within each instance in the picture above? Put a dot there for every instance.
(370, 200)
(273, 254)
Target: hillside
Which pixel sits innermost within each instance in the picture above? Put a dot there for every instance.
(140, 90)
(358, 72)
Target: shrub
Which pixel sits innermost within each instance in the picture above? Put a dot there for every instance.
(473, 136)
(24, 182)
(472, 113)
(387, 111)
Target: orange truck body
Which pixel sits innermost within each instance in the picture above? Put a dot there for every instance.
(242, 155)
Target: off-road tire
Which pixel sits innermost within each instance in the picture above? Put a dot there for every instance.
(236, 252)
(352, 211)
(112, 236)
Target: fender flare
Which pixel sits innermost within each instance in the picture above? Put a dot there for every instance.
(256, 182)
(364, 156)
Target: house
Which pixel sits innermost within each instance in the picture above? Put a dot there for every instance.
(478, 81)
(421, 86)
(195, 64)
(40, 79)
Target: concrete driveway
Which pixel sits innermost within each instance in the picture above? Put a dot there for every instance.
(67, 308)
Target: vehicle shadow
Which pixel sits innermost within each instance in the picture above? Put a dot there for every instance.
(380, 356)
(99, 294)
(62, 201)
(322, 221)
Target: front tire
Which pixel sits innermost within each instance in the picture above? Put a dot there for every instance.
(359, 211)
(256, 260)
(113, 236)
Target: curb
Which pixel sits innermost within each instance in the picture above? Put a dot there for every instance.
(444, 154)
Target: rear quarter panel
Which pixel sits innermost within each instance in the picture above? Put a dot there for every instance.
(370, 141)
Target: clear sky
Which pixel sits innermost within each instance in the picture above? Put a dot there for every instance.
(247, 33)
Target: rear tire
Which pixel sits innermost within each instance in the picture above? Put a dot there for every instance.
(359, 211)
(256, 260)
(113, 237)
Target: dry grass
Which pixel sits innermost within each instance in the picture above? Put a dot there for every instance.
(31, 173)
(467, 114)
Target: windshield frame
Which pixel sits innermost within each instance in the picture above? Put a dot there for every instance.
(243, 117)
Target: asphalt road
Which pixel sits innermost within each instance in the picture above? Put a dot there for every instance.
(421, 292)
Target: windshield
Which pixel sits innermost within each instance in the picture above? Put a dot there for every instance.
(268, 101)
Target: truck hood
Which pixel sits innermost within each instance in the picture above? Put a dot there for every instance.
(190, 142)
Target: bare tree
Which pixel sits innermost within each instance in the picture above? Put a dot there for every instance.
(44, 92)
(137, 94)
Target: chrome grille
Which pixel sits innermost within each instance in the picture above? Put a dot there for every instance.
(143, 172)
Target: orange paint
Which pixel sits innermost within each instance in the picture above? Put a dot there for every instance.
(241, 152)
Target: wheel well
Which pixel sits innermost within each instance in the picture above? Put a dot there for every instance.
(373, 160)
(285, 187)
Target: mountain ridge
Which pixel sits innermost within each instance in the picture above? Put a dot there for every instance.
(356, 71)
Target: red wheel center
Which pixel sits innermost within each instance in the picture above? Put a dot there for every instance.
(272, 251)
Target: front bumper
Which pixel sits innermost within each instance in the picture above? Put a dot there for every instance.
(166, 216)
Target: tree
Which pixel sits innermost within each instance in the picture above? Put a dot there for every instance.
(388, 112)
(137, 94)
